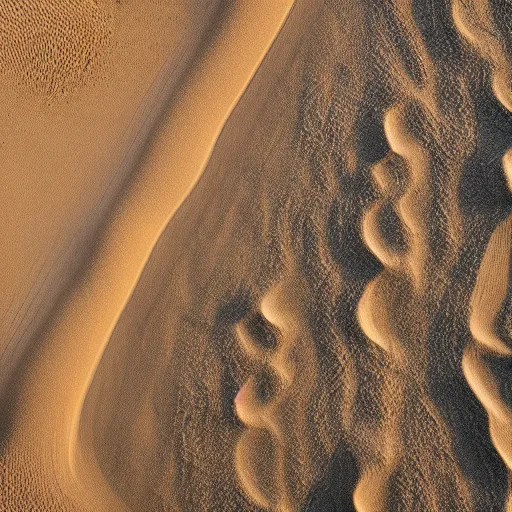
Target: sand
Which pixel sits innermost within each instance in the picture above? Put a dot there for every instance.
(256, 255)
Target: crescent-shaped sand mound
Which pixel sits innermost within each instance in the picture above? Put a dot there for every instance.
(256, 255)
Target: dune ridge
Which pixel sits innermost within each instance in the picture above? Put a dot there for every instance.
(475, 22)
(158, 475)
(22, 321)
(268, 418)
(76, 337)
(486, 303)
(320, 322)
(376, 313)
(395, 308)
(361, 184)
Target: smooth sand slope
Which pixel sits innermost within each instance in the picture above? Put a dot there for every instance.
(69, 145)
(283, 280)
(73, 341)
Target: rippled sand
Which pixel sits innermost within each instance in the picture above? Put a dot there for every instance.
(256, 255)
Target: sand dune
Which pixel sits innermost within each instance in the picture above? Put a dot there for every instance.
(78, 186)
(488, 296)
(73, 342)
(256, 255)
(492, 283)
(273, 402)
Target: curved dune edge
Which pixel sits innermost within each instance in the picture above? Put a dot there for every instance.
(267, 434)
(404, 288)
(475, 24)
(55, 384)
(407, 270)
(488, 296)
(477, 28)
(491, 289)
(21, 328)
(489, 293)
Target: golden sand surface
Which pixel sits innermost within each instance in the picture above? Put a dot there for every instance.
(256, 255)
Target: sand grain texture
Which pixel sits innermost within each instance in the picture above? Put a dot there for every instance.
(256, 255)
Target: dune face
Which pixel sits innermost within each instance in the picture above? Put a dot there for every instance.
(256, 255)
(55, 198)
(273, 403)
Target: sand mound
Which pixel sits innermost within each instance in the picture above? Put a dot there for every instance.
(292, 284)
(273, 403)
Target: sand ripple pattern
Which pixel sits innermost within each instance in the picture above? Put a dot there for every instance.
(51, 46)
(273, 403)
(394, 311)
(492, 346)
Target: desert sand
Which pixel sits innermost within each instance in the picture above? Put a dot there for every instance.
(256, 255)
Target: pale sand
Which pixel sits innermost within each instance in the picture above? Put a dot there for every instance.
(256, 255)
(66, 156)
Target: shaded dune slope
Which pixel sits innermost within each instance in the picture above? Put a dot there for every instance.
(484, 361)
(359, 171)
(45, 421)
(324, 323)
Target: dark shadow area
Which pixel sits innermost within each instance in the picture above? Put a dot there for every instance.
(464, 415)
(234, 309)
(262, 332)
(392, 229)
(335, 490)
(357, 191)
(483, 188)
(434, 21)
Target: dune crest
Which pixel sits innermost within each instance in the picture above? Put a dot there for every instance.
(395, 309)
(476, 23)
(72, 346)
(489, 294)
(270, 414)
(402, 279)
